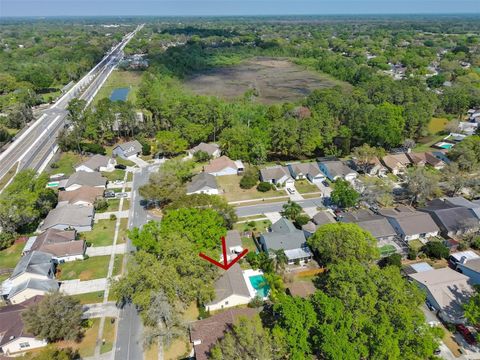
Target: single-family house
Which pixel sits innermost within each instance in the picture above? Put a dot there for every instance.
(14, 339)
(396, 163)
(37, 265)
(285, 236)
(462, 256)
(128, 149)
(447, 290)
(468, 128)
(336, 169)
(310, 171)
(461, 201)
(205, 333)
(68, 217)
(83, 178)
(233, 243)
(224, 166)
(213, 150)
(230, 290)
(97, 163)
(31, 288)
(85, 195)
(61, 244)
(470, 268)
(373, 168)
(277, 175)
(426, 158)
(410, 224)
(452, 220)
(321, 218)
(203, 183)
(377, 225)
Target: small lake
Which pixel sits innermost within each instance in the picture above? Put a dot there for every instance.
(119, 94)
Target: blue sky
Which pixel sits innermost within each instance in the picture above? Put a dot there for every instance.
(232, 7)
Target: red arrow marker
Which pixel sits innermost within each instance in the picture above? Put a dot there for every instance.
(226, 265)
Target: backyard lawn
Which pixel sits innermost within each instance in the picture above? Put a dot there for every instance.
(116, 174)
(90, 298)
(304, 186)
(437, 125)
(9, 257)
(66, 163)
(415, 244)
(108, 335)
(120, 79)
(102, 233)
(425, 144)
(92, 268)
(232, 191)
(248, 243)
(255, 226)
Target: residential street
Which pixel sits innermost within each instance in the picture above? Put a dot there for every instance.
(275, 207)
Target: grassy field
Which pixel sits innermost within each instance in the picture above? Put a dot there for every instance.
(232, 191)
(108, 335)
(437, 125)
(102, 233)
(66, 163)
(178, 349)
(119, 79)
(116, 174)
(277, 79)
(425, 144)
(117, 265)
(304, 187)
(122, 233)
(9, 257)
(86, 347)
(255, 226)
(415, 244)
(113, 205)
(90, 298)
(92, 268)
(248, 243)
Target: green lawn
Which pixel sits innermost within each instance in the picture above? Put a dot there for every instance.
(119, 79)
(122, 231)
(66, 163)
(113, 205)
(248, 243)
(425, 144)
(387, 250)
(437, 125)
(232, 191)
(415, 244)
(108, 335)
(130, 176)
(90, 298)
(256, 226)
(304, 186)
(116, 174)
(9, 257)
(117, 265)
(102, 233)
(92, 268)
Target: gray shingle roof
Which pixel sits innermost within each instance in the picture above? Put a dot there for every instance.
(377, 225)
(233, 239)
(452, 217)
(230, 283)
(130, 148)
(305, 169)
(201, 181)
(96, 161)
(42, 285)
(85, 178)
(208, 148)
(461, 201)
(35, 262)
(284, 236)
(412, 222)
(69, 215)
(275, 173)
(337, 168)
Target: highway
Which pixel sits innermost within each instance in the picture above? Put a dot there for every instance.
(32, 148)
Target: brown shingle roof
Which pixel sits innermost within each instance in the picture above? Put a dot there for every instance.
(59, 243)
(219, 164)
(84, 194)
(205, 333)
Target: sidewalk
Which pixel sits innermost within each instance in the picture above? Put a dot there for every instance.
(106, 250)
(106, 215)
(75, 287)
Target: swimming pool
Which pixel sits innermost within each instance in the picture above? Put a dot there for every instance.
(444, 145)
(260, 285)
(120, 94)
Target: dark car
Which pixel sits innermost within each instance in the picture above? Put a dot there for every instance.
(436, 352)
(467, 335)
(429, 305)
(325, 183)
(109, 194)
(120, 166)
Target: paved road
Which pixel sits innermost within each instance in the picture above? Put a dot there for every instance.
(33, 146)
(275, 207)
(129, 344)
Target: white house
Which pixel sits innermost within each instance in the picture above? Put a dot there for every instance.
(97, 163)
(213, 150)
(31, 288)
(14, 340)
(336, 169)
(224, 166)
(78, 217)
(128, 149)
(203, 183)
(84, 178)
(35, 265)
(277, 175)
(310, 171)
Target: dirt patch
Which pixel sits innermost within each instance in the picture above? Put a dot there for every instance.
(276, 80)
(85, 275)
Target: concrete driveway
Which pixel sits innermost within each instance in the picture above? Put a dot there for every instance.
(105, 250)
(273, 216)
(75, 287)
(107, 309)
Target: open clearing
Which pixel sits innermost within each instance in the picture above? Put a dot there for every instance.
(276, 79)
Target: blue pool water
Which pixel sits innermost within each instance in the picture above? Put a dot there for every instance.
(120, 94)
(446, 146)
(260, 285)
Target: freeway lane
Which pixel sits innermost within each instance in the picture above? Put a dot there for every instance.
(32, 147)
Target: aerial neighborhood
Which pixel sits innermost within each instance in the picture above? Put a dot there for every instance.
(240, 188)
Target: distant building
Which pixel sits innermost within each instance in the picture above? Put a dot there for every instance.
(396, 163)
(277, 175)
(213, 150)
(97, 163)
(68, 217)
(62, 245)
(310, 171)
(336, 169)
(85, 195)
(224, 166)
(128, 149)
(321, 218)
(83, 178)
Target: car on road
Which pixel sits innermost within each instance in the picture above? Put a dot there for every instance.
(109, 194)
(437, 352)
(120, 166)
(467, 335)
(325, 183)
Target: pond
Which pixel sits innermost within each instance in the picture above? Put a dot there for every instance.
(120, 94)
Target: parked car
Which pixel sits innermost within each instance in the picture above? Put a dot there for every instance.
(109, 194)
(118, 182)
(429, 305)
(291, 191)
(122, 195)
(325, 183)
(120, 166)
(467, 335)
(437, 352)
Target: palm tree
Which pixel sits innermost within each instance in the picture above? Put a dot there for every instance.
(280, 260)
(291, 210)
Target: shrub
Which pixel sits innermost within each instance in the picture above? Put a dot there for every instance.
(264, 187)
(249, 178)
(201, 156)
(100, 204)
(412, 254)
(476, 243)
(256, 302)
(6, 239)
(146, 148)
(462, 246)
(391, 260)
(253, 260)
(93, 148)
(113, 217)
(85, 257)
(301, 220)
(54, 165)
(436, 250)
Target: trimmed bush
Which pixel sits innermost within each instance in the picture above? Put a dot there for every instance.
(436, 250)
(264, 187)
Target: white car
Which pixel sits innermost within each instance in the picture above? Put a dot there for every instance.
(122, 195)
